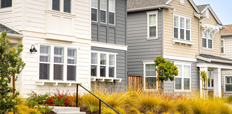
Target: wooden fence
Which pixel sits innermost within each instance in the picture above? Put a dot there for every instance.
(135, 82)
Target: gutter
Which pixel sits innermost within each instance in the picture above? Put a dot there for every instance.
(226, 34)
(150, 8)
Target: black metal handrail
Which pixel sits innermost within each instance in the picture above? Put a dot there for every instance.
(100, 100)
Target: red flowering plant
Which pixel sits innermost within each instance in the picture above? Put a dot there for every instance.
(60, 99)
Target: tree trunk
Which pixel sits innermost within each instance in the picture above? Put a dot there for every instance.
(162, 87)
(14, 84)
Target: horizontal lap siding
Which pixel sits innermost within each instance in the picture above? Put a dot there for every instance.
(139, 48)
(121, 22)
(120, 65)
(225, 73)
(228, 47)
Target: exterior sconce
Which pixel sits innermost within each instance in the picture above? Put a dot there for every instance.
(33, 49)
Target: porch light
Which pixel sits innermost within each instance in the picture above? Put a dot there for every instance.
(33, 49)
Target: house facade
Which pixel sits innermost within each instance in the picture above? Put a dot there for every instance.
(183, 33)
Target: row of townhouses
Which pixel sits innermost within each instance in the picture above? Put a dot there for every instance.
(104, 41)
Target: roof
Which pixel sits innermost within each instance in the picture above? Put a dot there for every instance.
(202, 7)
(131, 4)
(214, 58)
(228, 30)
(8, 29)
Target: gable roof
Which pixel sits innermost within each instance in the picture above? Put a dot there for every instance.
(202, 7)
(227, 31)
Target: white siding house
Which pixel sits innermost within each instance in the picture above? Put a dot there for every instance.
(61, 33)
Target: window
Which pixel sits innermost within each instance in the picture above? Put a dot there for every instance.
(182, 28)
(228, 83)
(111, 11)
(222, 46)
(211, 81)
(6, 3)
(183, 80)
(55, 62)
(94, 8)
(44, 65)
(61, 5)
(152, 25)
(103, 64)
(150, 77)
(103, 10)
(72, 64)
(207, 40)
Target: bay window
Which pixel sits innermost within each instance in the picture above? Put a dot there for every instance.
(150, 77)
(182, 27)
(183, 80)
(222, 46)
(67, 6)
(152, 29)
(103, 64)
(56, 5)
(61, 5)
(94, 10)
(111, 11)
(228, 83)
(5, 3)
(103, 10)
(57, 63)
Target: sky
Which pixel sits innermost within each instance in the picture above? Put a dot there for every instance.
(222, 8)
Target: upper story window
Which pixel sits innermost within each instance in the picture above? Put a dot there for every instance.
(6, 3)
(150, 76)
(182, 28)
(183, 80)
(207, 40)
(152, 28)
(106, 12)
(62, 5)
(222, 46)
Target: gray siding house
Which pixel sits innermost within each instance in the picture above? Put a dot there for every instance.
(108, 45)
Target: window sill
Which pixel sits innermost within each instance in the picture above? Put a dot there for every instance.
(182, 91)
(207, 49)
(104, 79)
(186, 42)
(56, 83)
(58, 13)
(153, 38)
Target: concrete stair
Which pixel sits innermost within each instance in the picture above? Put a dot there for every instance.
(67, 110)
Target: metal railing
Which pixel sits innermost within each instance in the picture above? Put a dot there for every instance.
(100, 100)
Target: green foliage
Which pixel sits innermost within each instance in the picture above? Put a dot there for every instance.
(59, 102)
(165, 69)
(35, 99)
(91, 107)
(229, 99)
(44, 109)
(204, 78)
(11, 64)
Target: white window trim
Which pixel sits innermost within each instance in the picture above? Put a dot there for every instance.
(148, 26)
(224, 46)
(105, 11)
(97, 11)
(182, 78)
(51, 70)
(185, 28)
(207, 40)
(144, 76)
(112, 12)
(225, 84)
(107, 64)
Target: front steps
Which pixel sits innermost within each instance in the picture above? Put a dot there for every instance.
(67, 110)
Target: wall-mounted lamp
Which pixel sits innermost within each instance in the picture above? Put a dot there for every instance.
(33, 49)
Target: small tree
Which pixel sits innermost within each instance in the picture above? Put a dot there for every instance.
(205, 81)
(166, 71)
(10, 64)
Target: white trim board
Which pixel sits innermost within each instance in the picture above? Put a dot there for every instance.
(212, 65)
(192, 3)
(180, 58)
(110, 46)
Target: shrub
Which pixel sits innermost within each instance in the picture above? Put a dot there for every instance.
(229, 99)
(23, 109)
(149, 103)
(133, 110)
(44, 109)
(167, 105)
(35, 99)
(120, 110)
(59, 99)
(108, 111)
(91, 107)
(183, 106)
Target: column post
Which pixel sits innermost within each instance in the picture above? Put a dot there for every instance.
(217, 83)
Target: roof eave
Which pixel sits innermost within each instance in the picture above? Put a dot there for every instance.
(10, 35)
(226, 34)
(213, 60)
(150, 8)
(214, 14)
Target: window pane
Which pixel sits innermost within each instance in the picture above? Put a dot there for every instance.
(228, 80)
(102, 71)
(177, 83)
(112, 59)
(94, 14)
(187, 34)
(103, 4)
(56, 5)
(103, 16)
(188, 24)
(181, 33)
(44, 53)
(150, 82)
(152, 19)
(187, 71)
(103, 59)
(179, 70)
(93, 70)
(112, 5)
(93, 58)
(212, 82)
(67, 6)
(71, 72)
(148, 67)
(209, 83)
(111, 18)
(222, 50)
(111, 71)
(176, 21)
(187, 84)
(175, 32)
(72, 53)
(228, 87)
(182, 23)
(222, 43)
(94, 3)
(44, 49)
(58, 72)
(204, 42)
(212, 75)
(152, 31)
(44, 58)
(44, 71)
(6, 3)
(58, 55)
(210, 45)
